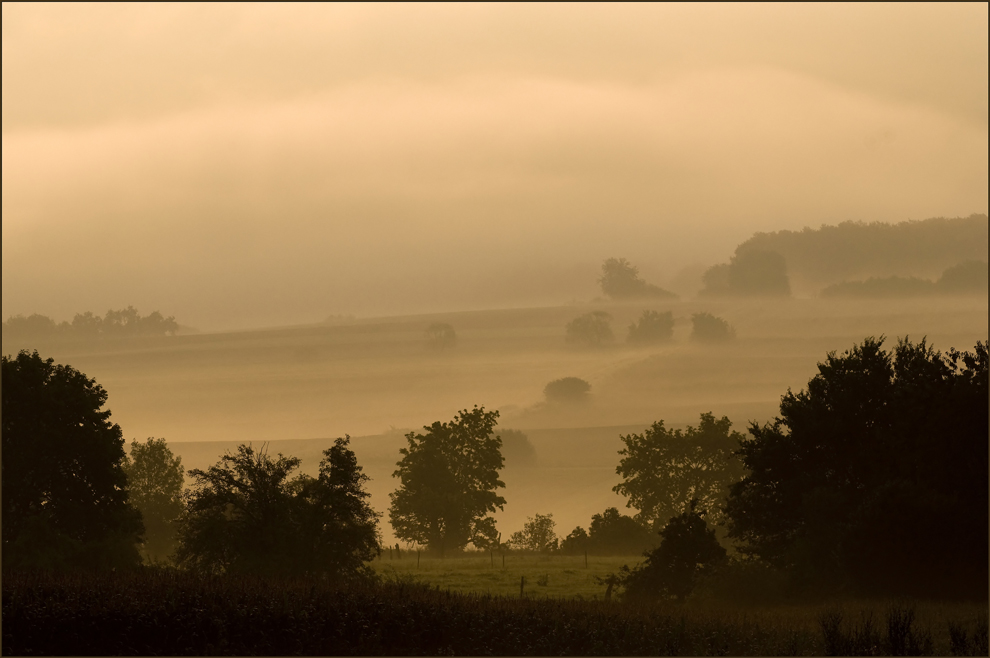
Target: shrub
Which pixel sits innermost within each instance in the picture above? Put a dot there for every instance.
(537, 534)
(969, 277)
(567, 390)
(652, 327)
(710, 329)
(440, 336)
(591, 329)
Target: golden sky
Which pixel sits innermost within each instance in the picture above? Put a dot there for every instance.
(250, 165)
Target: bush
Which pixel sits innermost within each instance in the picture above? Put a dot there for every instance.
(591, 329)
(537, 535)
(652, 327)
(966, 278)
(517, 448)
(568, 390)
(440, 336)
(710, 329)
(620, 280)
(750, 272)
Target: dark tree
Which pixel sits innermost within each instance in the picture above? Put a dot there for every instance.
(875, 476)
(448, 481)
(707, 328)
(620, 280)
(591, 329)
(244, 515)
(576, 542)
(612, 533)
(567, 390)
(65, 501)
(155, 478)
(663, 470)
(749, 273)
(517, 449)
(537, 535)
(652, 327)
(440, 336)
(687, 550)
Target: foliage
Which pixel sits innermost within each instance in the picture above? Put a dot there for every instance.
(576, 542)
(568, 389)
(517, 449)
(710, 329)
(663, 470)
(440, 336)
(125, 322)
(612, 533)
(620, 280)
(874, 476)
(65, 501)
(687, 550)
(155, 479)
(245, 515)
(858, 250)
(750, 272)
(652, 327)
(591, 329)
(969, 277)
(448, 478)
(537, 535)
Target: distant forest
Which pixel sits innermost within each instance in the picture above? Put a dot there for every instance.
(856, 250)
(122, 323)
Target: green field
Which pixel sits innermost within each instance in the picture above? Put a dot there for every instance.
(556, 576)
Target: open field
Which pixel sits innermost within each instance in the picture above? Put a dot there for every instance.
(376, 379)
(160, 612)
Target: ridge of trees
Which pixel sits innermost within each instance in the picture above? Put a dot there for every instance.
(968, 278)
(125, 322)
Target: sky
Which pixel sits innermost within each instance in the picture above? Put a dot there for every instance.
(244, 166)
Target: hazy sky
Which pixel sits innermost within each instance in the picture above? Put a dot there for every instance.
(254, 165)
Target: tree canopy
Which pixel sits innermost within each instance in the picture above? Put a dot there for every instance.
(663, 470)
(750, 272)
(592, 329)
(448, 481)
(874, 477)
(620, 280)
(537, 535)
(65, 500)
(567, 390)
(122, 323)
(245, 515)
(652, 327)
(155, 478)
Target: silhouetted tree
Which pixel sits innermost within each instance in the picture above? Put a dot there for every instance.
(576, 542)
(537, 534)
(663, 470)
(567, 390)
(612, 533)
(244, 515)
(687, 550)
(440, 336)
(65, 501)
(591, 329)
(620, 280)
(155, 478)
(750, 272)
(707, 328)
(449, 477)
(875, 476)
(652, 327)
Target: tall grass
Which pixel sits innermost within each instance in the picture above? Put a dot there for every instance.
(161, 612)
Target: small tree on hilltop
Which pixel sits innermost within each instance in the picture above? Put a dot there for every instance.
(569, 390)
(591, 329)
(155, 478)
(687, 550)
(652, 327)
(448, 479)
(537, 534)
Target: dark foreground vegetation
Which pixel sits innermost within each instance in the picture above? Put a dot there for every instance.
(167, 612)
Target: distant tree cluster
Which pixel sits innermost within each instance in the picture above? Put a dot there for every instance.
(568, 390)
(125, 322)
(592, 329)
(610, 533)
(537, 535)
(517, 449)
(749, 273)
(853, 250)
(652, 327)
(620, 280)
(707, 328)
(440, 336)
(969, 278)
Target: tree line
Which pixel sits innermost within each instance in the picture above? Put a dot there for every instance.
(872, 480)
(125, 322)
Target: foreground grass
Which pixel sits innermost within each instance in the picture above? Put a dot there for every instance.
(158, 612)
